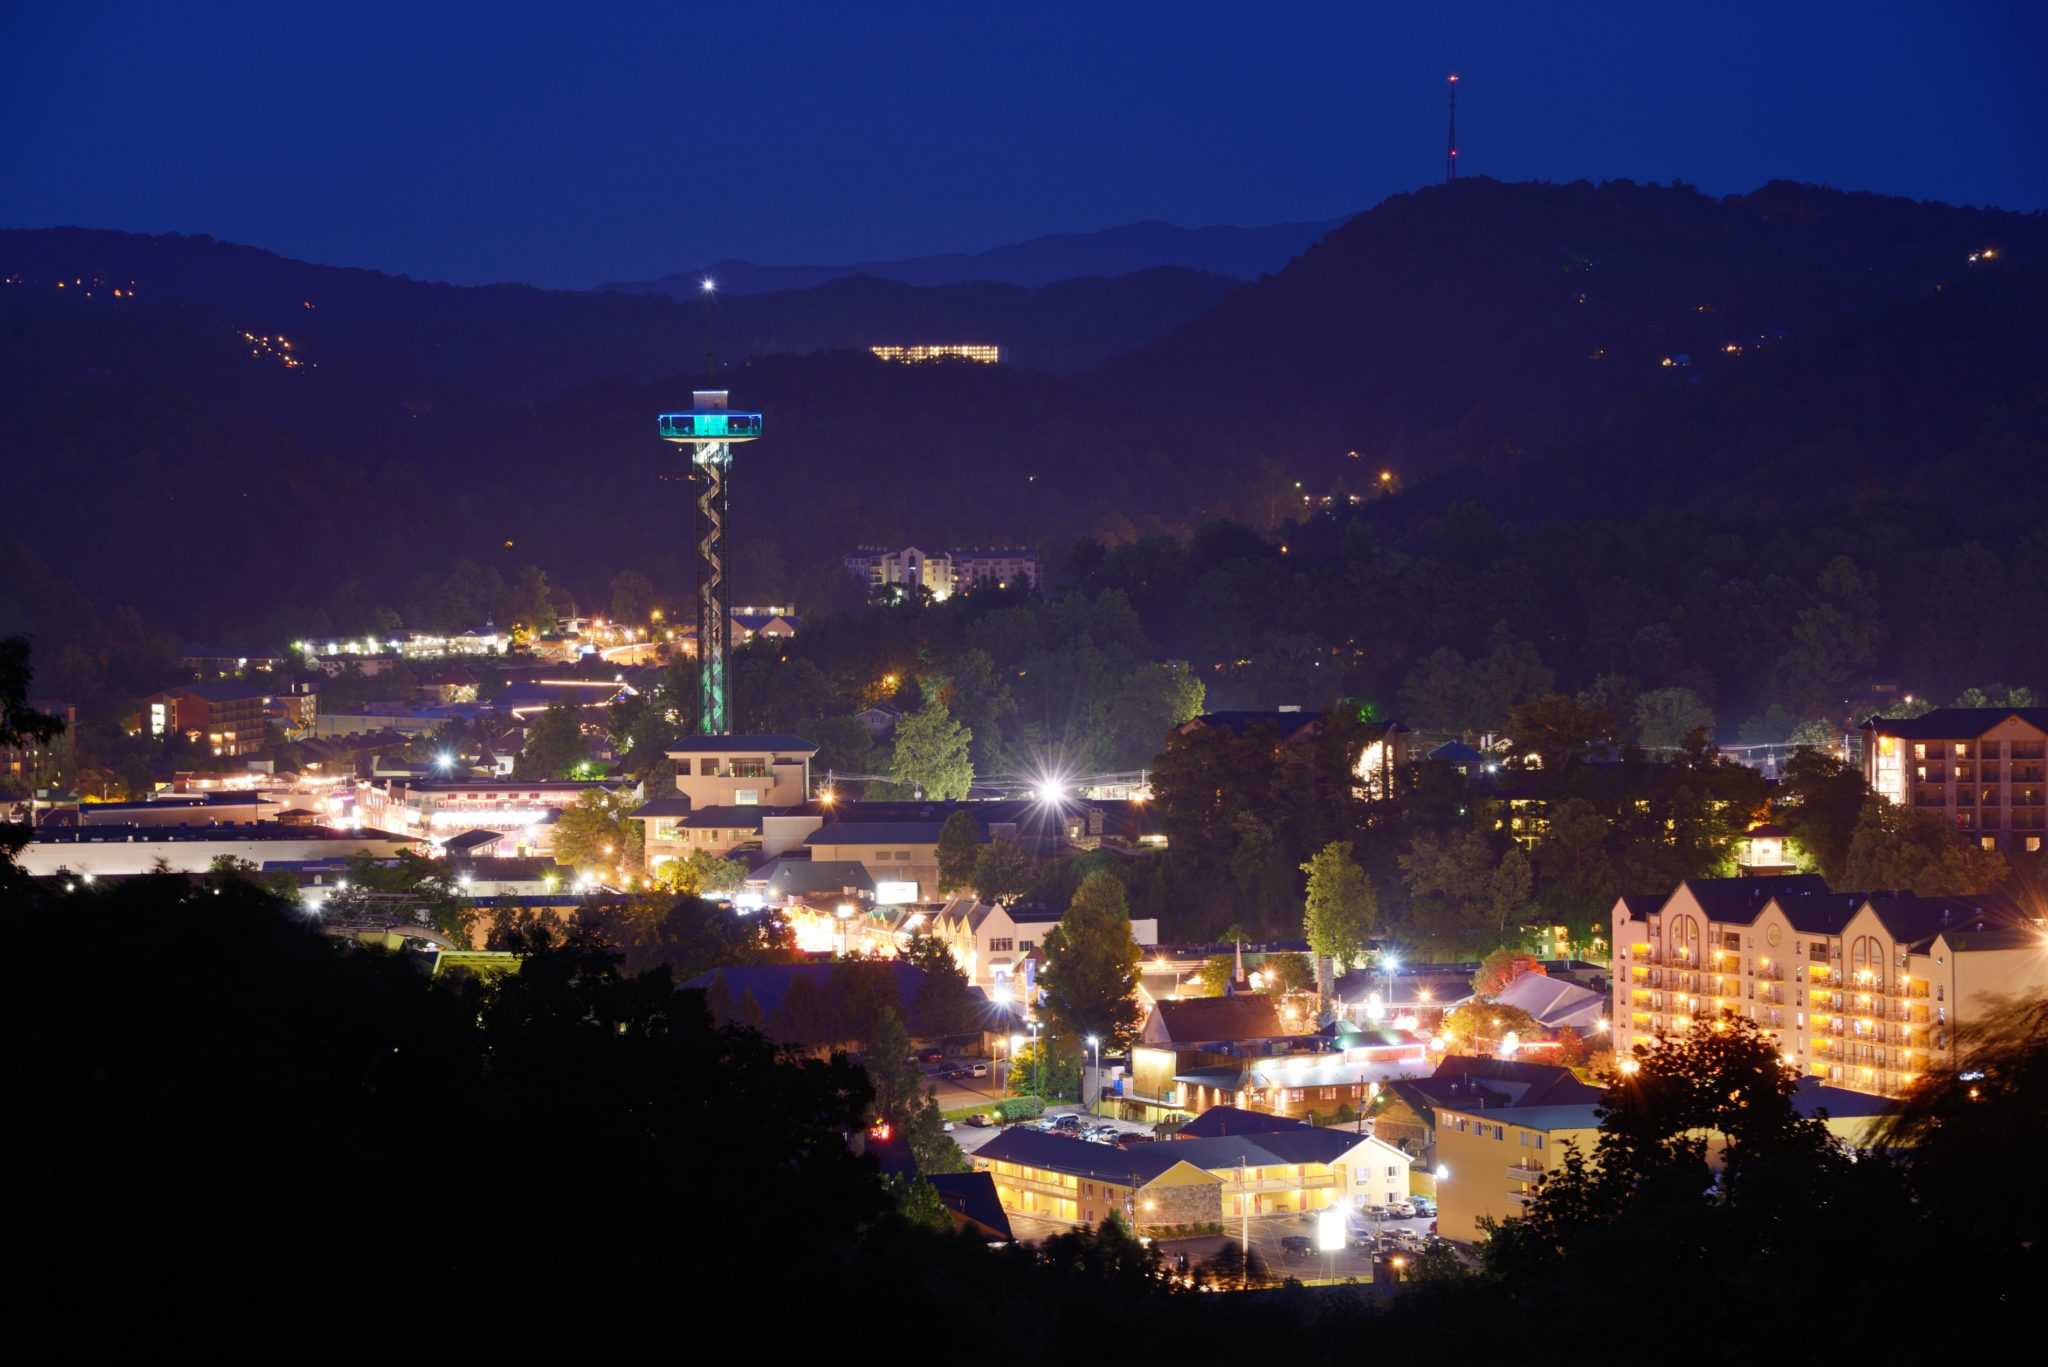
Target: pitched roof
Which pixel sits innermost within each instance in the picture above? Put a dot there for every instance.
(1910, 918)
(1554, 1117)
(971, 1196)
(471, 840)
(1142, 1163)
(1955, 723)
(796, 877)
(1456, 752)
(746, 745)
(1819, 913)
(673, 804)
(1553, 1002)
(1734, 901)
(1813, 1095)
(1468, 1083)
(1195, 1019)
(1225, 1120)
(1288, 724)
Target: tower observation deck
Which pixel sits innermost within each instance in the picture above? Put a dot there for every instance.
(710, 429)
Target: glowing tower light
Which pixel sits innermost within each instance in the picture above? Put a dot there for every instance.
(710, 430)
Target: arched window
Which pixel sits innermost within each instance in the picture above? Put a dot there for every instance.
(1866, 961)
(1684, 939)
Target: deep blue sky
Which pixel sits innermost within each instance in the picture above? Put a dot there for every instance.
(568, 144)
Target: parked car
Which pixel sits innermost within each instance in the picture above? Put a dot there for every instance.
(978, 1070)
(1402, 1210)
(1066, 1122)
(1424, 1207)
(1132, 1139)
(981, 1119)
(934, 1056)
(1374, 1212)
(1296, 1247)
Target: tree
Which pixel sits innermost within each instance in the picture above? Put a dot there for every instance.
(1281, 973)
(1509, 888)
(598, 832)
(959, 848)
(1215, 974)
(1481, 1024)
(1340, 908)
(1091, 965)
(1899, 847)
(1822, 802)
(1647, 1194)
(1988, 1112)
(632, 597)
(932, 756)
(1665, 716)
(1502, 967)
(1257, 865)
(945, 1002)
(554, 744)
(1559, 729)
(905, 1101)
(700, 873)
(1003, 872)
(1578, 878)
(1451, 882)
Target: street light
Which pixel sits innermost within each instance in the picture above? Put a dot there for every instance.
(1096, 1045)
(1037, 1064)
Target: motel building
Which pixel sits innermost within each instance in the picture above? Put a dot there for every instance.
(1175, 1184)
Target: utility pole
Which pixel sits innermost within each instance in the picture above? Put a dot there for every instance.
(1244, 1211)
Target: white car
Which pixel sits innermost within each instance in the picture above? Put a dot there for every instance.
(979, 1070)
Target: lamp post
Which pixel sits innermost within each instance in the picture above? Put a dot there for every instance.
(1095, 1044)
(1037, 1064)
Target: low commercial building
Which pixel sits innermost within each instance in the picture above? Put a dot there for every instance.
(184, 809)
(1191, 1183)
(120, 850)
(522, 810)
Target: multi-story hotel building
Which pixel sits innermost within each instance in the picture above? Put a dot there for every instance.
(944, 572)
(1985, 769)
(1863, 991)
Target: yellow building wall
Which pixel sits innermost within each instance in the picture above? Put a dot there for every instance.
(1481, 1183)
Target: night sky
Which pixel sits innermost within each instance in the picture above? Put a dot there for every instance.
(569, 144)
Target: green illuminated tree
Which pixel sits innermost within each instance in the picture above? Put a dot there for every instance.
(554, 744)
(1341, 907)
(932, 754)
(1003, 871)
(597, 833)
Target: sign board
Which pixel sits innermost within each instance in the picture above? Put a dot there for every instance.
(888, 894)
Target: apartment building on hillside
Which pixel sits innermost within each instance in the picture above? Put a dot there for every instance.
(1984, 769)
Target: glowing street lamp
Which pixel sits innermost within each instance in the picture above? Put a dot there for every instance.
(1095, 1044)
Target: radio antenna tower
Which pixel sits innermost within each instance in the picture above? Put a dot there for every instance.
(710, 430)
(1451, 156)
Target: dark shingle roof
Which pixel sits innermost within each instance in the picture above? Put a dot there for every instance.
(1955, 723)
(1225, 1120)
(795, 877)
(471, 840)
(1469, 1083)
(1218, 1018)
(1142, 1163)
(1813, 1095)
(1910, 918)
(674, 804)
(1738, 900)
(972, 1197)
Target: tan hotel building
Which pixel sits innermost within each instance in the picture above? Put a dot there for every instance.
(1863, 991)
(1985, 769)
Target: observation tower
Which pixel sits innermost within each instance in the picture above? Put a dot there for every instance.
(711, 431)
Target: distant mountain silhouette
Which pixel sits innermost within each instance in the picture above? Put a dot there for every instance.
(1240, 253)
(1493, 342)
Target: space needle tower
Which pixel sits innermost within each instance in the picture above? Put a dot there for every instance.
(711, 430)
